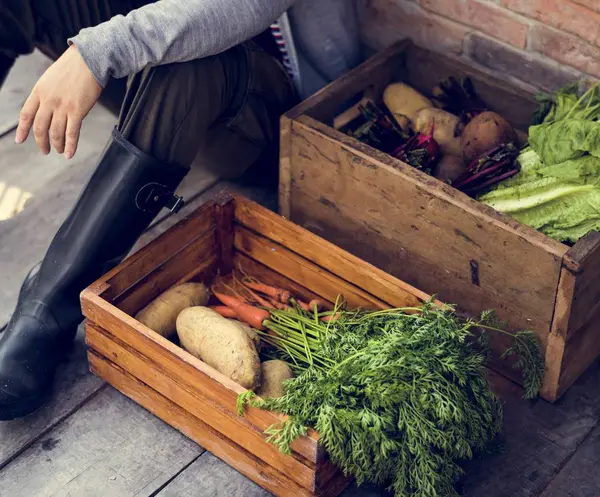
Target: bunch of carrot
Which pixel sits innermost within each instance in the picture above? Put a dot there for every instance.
(251, 301)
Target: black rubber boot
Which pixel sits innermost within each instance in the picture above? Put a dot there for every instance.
(125, 193)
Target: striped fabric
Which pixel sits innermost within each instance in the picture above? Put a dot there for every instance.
(282, 34)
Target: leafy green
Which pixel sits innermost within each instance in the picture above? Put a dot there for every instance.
(570, 129)
(557, 190)
(398, 396)
(565, 140)
(562, 200)
(568, 102)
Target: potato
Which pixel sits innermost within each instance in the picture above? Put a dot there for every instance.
(402, 100)
(485, 132)
(450, 168)
(274, 373)
(220, 343)
(251, 332)
(444, 126)
(161, 314)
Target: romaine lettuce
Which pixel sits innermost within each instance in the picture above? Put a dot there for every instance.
(557, 190)
(562, 201)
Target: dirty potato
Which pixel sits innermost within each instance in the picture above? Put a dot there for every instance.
(161, 314)
(274, 373)
(221, 343)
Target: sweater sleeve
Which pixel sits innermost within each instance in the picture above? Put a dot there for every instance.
(170, 31)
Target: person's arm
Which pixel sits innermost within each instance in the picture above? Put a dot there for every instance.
(159, 33)
(172, 31)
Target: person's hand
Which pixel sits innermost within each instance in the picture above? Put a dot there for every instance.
(58, 103)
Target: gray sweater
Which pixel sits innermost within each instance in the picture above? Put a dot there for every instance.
(323, 46)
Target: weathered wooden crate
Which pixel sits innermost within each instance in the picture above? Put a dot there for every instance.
(430, 235)
(225, 235)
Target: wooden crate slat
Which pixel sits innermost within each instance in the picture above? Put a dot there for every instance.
(583, 260)
(555, 347)
(189, 262)
(224, 213)
(247, 436)
(184, 367)
(301, 270)
(374, 74)
(580, 352)
(141, 263)
(246, 266)
(222, 447)
(352, 269)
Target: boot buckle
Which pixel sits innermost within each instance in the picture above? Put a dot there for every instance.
(155, 195)
(174, 203)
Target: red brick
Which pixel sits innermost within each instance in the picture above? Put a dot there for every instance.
(386, 21)
(567, 49)
(531, 68)
(561, 14)
(485, 17)
(590, 4)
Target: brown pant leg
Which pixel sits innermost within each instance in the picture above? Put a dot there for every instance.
(223, 110)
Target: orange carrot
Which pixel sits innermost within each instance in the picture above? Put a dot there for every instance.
(247, 313)
(278, 305)
(278, 294)
(318, 303)
(259, 300)
(303, 305)
(225, 311)
(331, 317)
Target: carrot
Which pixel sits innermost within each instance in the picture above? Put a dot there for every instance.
(225, 311)
(278, 294)
(221, 287)
(279, 305)
(247, 313)
(318, 303)
(303, 305)
(260, 301)
(331, 317)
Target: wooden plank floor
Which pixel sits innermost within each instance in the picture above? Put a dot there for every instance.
(92, 441)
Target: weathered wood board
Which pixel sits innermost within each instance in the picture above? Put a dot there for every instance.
(17, 86)
(538, 439)
(580, 476)
(73, 386)
(128, 453)
(215, 478)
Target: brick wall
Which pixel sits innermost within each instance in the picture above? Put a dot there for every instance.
(536, 44)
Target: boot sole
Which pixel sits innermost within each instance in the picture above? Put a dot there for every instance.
(22, 408)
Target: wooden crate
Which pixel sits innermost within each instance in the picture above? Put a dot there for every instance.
(429, 234)
(225, 235)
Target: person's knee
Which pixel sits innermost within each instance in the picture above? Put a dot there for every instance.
(169, 109)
